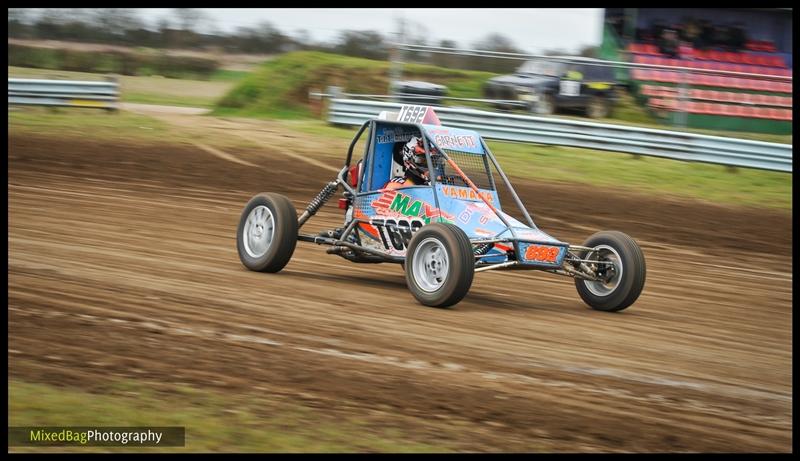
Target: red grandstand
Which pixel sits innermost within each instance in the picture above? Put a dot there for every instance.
(747, 50)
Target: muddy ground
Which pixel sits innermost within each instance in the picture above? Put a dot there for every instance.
(122, 263)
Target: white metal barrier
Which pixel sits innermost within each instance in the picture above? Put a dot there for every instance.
(617, 138)
(63, 93)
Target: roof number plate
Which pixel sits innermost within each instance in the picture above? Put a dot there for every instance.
(412, 114)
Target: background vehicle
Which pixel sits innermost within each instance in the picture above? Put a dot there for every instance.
(443, 231)
(546, 87)
(418, 92)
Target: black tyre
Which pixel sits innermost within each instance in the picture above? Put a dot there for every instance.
(624, 279)
(598, 107)
(439, 265)
(267, 233)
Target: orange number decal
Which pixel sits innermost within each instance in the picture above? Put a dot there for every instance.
(542, 253)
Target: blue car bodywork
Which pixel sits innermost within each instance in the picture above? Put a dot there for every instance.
(387, 218)
(428, 196)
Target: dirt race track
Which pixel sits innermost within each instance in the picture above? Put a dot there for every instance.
(122, 263)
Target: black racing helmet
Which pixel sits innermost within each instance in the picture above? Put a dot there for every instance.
(414, 161)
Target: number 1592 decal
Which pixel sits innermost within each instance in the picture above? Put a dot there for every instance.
(395, 234)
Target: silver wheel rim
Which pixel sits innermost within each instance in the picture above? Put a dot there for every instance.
(431, 265)
(259, 229)
(596, 109)
(545, 107)
(606, 287)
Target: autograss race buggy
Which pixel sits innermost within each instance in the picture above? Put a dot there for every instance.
(442, 232)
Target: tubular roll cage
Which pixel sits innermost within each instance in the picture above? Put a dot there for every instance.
(572, 265)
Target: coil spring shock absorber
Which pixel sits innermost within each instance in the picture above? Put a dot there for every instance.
(481, 250)
(316, 203)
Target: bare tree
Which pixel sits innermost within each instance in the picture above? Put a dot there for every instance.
(50, 16)
(75, 15)
(416, 33)
(190, 19)
(19, 20)
(20, 15)
(494, 42)
(554, 52)
(364, 44)
(448, 60)
(163, 24)
(302, 37)
(115, 21)
(589, 51)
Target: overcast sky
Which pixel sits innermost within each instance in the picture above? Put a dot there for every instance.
(532, 30)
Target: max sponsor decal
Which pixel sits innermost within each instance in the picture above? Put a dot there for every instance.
(393, 203)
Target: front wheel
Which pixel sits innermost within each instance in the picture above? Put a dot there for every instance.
(621, 269)
(546, 105)
(439, 265)
(267, 233)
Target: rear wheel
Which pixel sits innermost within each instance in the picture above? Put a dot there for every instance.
(439, 265)
(597, 108)
(267, 233)
(621, 268)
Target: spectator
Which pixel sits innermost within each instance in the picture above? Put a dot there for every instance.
(738, 37)
(642, 35)
(657, 29)
(678, 28)
(705, 37)
(669, 44)
(721, 38)
(691, 31)
(616, 23)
